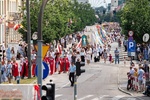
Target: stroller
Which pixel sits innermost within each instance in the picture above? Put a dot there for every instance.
(130, 81)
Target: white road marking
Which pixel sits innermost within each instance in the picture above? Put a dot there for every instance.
(58, 95)
(63, 86)
(95, 99)
(101, 97)
(84, 98)
(131, 99)
(118, 97)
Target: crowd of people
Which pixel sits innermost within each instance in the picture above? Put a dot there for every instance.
(60, 58)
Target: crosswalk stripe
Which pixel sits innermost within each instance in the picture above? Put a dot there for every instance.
(118, 97)
(101, 97)
(88, 96)
(131, 99)
(58, 95)
(95, 99)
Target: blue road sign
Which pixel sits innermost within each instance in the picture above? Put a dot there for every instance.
(45, 69)
(131, 46)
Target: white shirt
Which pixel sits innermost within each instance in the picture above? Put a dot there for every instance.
(62, 40)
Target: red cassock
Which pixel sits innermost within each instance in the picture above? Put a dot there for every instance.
(57, 60)
(52, 65)
(66, 64)
(15, 69)
(33, 67)
(46, 59)
(24, 71)
(61, 65)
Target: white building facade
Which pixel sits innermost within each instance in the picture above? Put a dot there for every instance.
(114, 4)
(10, 9)
(2, 25)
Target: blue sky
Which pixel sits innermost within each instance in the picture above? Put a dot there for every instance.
(98, 3)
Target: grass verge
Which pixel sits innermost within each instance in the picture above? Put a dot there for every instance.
(23, 81)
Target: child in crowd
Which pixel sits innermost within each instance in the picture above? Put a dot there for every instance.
(124, 60)
(110, 58)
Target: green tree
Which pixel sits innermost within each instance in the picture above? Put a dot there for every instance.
(57, 18)
(136, 17)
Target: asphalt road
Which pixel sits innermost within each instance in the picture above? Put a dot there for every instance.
(99, 82)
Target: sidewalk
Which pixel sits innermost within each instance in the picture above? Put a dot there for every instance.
(122, 79)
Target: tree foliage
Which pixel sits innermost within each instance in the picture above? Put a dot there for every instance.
(61, 17)
(136, 17)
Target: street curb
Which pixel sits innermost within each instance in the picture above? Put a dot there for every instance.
(120, 89)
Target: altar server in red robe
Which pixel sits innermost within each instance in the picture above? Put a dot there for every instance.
(51, 65)
(33, 67)
(15, 71)
(24, 71)
(61, 65)
(66, 64)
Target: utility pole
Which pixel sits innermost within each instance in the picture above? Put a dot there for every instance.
(75, 87)
(0, 70)
(40, 43)
(28, 38)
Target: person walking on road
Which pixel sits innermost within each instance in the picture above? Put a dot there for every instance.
(116, 55)
(105, 55)
(72, 71)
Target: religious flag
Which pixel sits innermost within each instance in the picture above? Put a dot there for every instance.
(59, 48)
(79, 44)
(16, 27)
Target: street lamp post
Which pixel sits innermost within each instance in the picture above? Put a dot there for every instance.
(40, 43)
(29, 38)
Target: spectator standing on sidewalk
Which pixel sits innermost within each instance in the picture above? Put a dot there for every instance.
(138, 51)
(9, 71)
(145, 53)
(146, 69)
(140, 78)
(3, 71)
(125, 44)
(135, 78)
(116, 55)
(72, 71)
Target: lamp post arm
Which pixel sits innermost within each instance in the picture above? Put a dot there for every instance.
(40, 19)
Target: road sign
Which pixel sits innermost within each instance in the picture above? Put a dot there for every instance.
(145, 37)
(45, 69)
(130, 33)
(131, 46)
(44, 50)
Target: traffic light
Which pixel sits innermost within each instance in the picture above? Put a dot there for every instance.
(78, 68)
(50, 92)
(1, 53)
